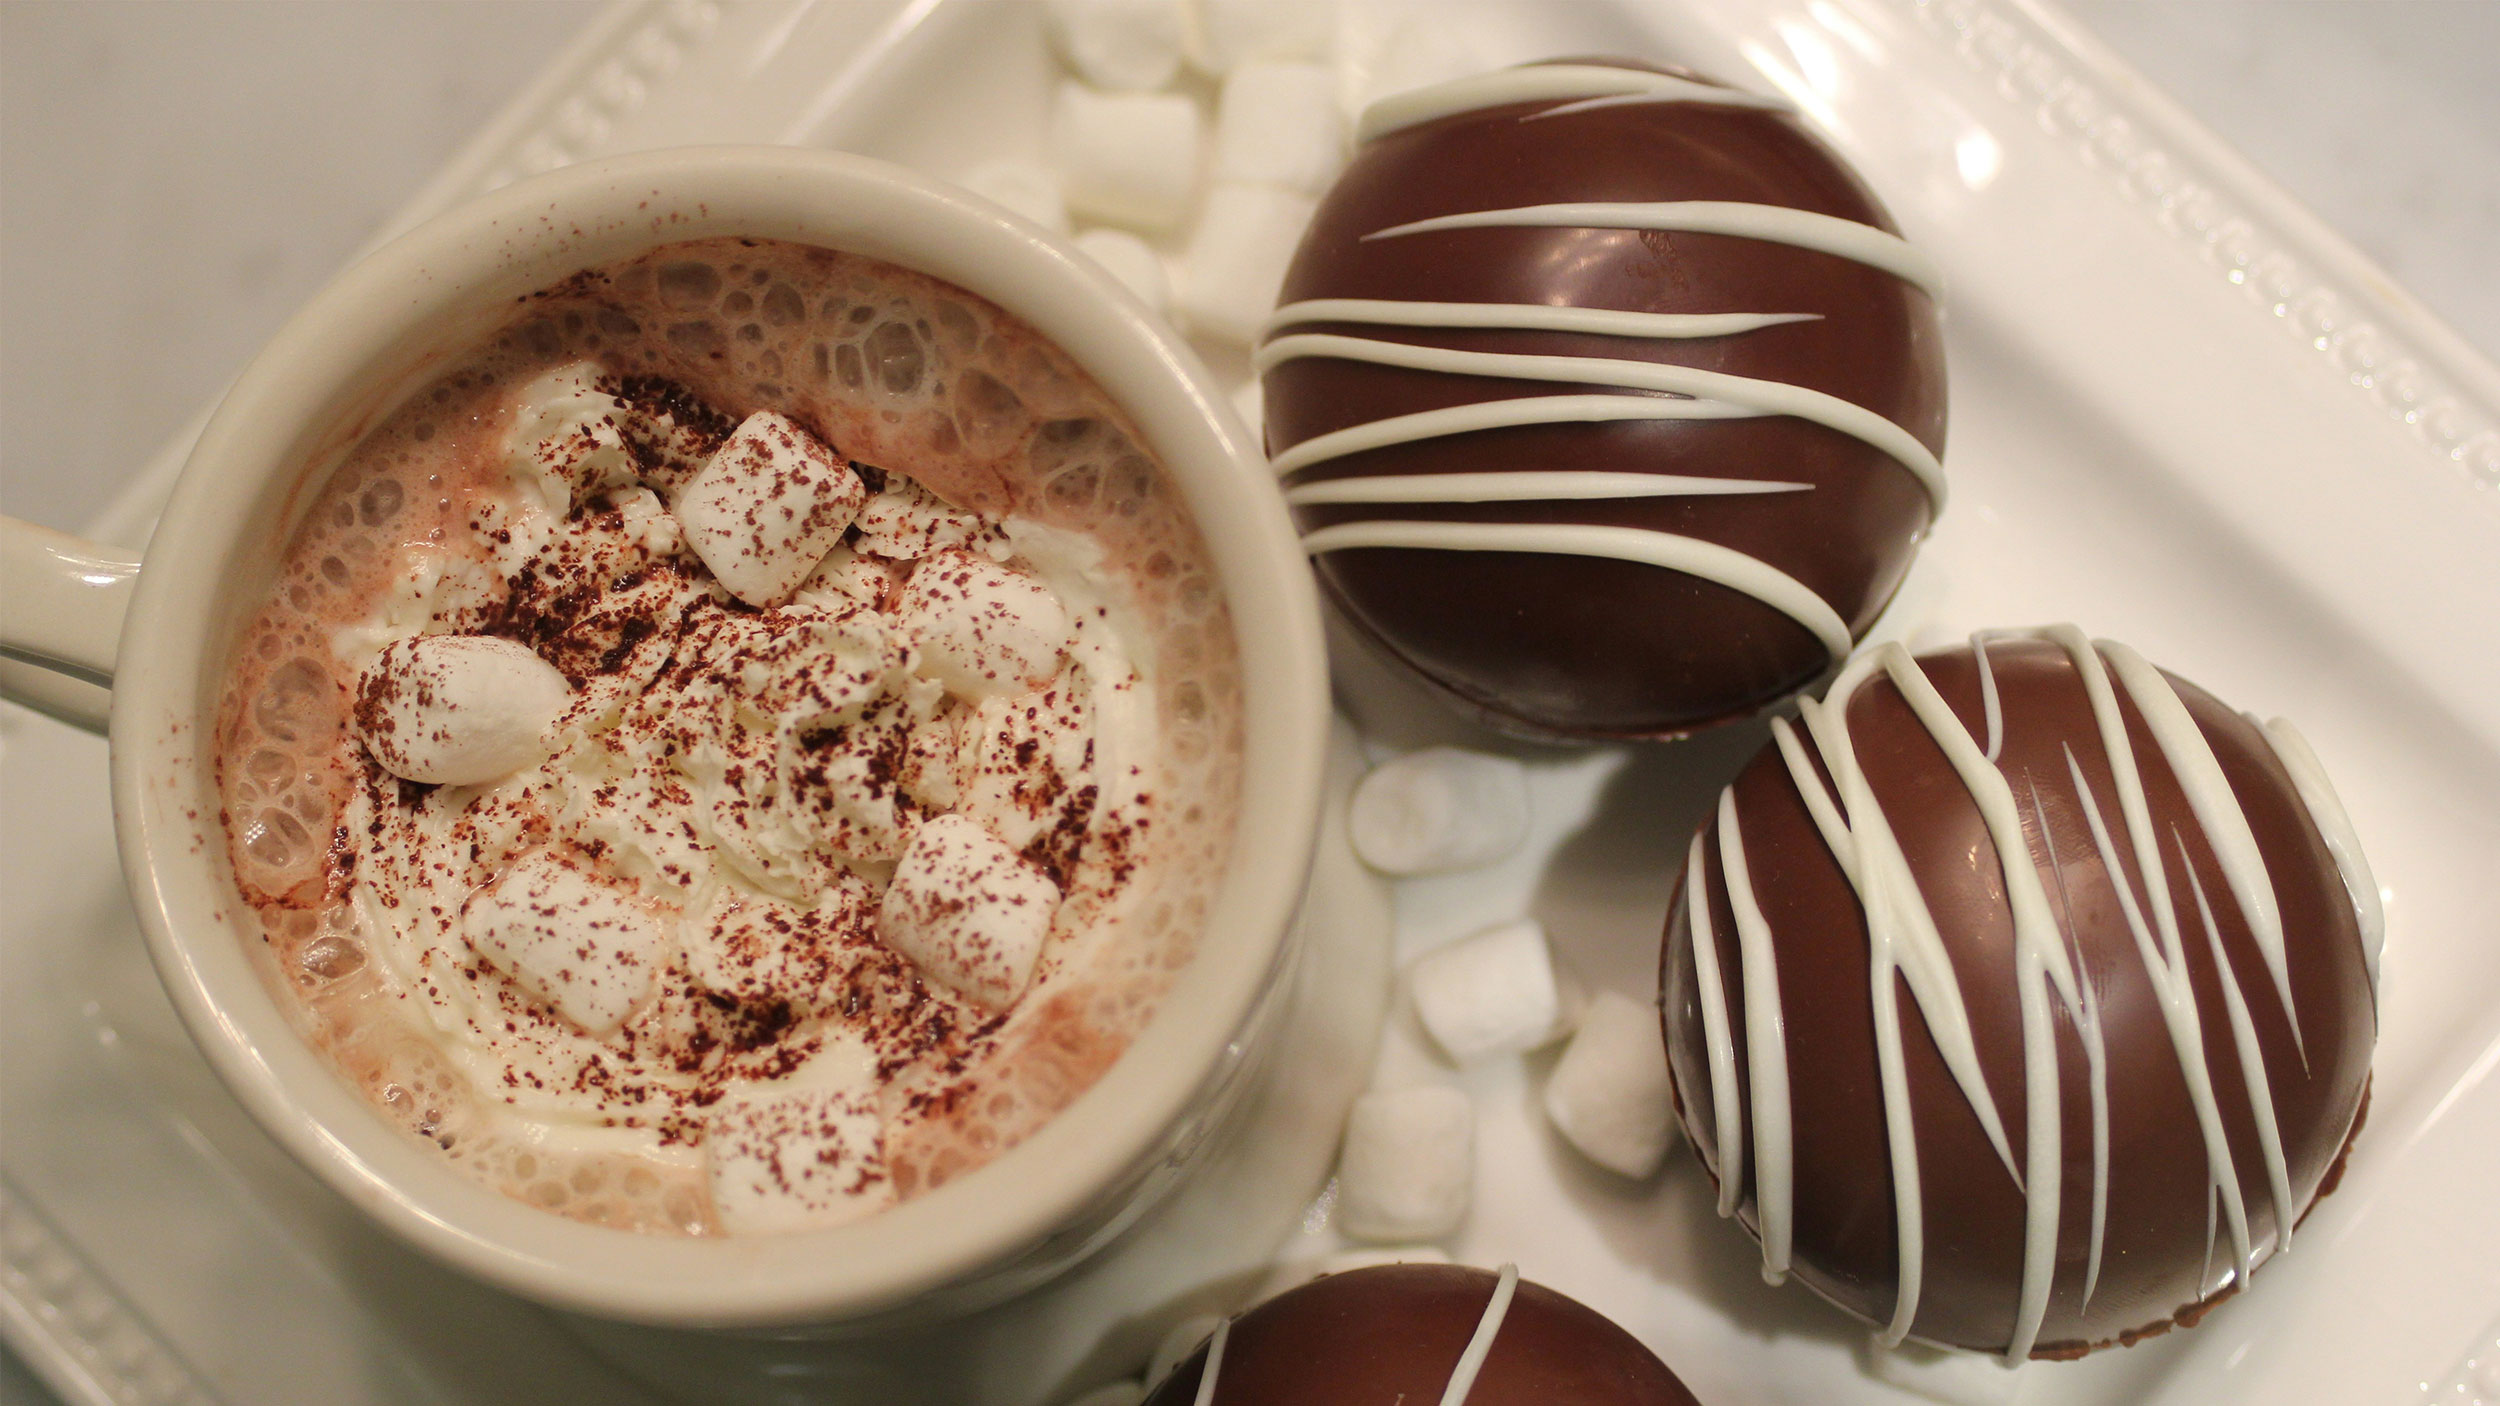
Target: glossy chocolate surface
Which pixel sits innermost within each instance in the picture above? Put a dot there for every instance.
(1395, 1333)
(1584, 646)
(2165, 1252)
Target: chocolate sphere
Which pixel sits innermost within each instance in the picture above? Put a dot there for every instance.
(1607, 398)
(1391, 1333)
(2020, 997)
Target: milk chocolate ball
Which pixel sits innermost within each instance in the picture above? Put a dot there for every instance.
(1392, 1333)
(1606, 397)
(2020, 997)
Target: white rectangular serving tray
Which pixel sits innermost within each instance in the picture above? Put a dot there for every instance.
(2185, 415)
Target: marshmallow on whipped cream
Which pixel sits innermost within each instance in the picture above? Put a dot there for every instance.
(802, 1159)
(981, 628)
(458, 710)
(571, 938)
(767, 508)
(968, 911)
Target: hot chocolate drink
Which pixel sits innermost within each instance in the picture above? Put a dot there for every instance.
(746, 743)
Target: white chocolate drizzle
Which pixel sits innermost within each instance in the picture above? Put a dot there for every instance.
(1500, 414)
(1760, 396)
(1778, 224)
(1215, 1363)
(1766, 1053)
(2335, 827)
(1904, 939)
(1479, 1347)
(1577, 86)
(1720, 1045)
(1534, 317)
(1691, 555)
(1526, 486)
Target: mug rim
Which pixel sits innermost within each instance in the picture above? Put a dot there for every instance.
(528, 236)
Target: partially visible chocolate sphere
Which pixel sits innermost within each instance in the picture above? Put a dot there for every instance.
(1607, 398)
(1392, 1333)
(2036, 864)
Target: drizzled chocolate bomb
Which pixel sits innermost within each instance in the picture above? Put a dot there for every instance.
(2020, 998)
(1606, 397)
(1421, 1333)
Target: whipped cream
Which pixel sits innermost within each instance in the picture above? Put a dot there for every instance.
(768, 775)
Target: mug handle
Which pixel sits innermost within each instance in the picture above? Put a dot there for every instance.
(61, 606)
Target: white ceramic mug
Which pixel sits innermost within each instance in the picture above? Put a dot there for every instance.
(340, 363)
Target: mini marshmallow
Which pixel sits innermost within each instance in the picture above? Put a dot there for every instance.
(968, 911)
(1122, 45)
(1127, 159)
(1408, 1165)
(574, 940)
(1227, 33)
(1438, 810)
(1278, 124)
(1953, 1378)
(1608, 1093)
(854, 576)
(1027, 187)
(1236, 259)
(1493, 993)
(768, 507)
(458, 710)
(982, 629)
(907, 521)
(1416, 53)
(1132, 261)
(1181, 1341)
(803, 1159)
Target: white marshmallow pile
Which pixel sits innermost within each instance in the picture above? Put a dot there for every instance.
(767, 508)
(1127, 151)
(982, 629)
(1496, 992)
(967, 911)
(458, 710)
(1608, 1094)
(575, 941)
(1438, 810)
(803, 1159)
(1409, 1163)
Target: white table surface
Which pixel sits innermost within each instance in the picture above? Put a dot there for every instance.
(175, 178)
